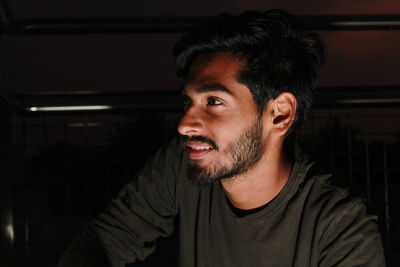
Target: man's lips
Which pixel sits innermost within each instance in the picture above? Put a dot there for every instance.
(198, 149)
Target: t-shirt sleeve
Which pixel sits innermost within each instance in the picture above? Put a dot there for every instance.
(352, 238)
(142, 211)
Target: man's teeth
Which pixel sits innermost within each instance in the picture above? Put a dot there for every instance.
(201, 148)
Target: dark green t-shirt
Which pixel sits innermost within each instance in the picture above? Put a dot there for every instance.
(310, 223)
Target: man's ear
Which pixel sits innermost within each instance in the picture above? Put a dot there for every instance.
(283, 109)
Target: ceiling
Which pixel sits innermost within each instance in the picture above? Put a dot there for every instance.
(109, 62)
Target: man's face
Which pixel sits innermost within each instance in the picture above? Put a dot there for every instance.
(221, 121)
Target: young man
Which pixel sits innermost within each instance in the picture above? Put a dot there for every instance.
(241, 200)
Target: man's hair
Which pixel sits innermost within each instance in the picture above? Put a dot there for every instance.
(278, 57)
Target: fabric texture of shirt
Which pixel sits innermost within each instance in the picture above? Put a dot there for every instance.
(310, 222)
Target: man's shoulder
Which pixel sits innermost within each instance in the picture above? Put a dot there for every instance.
(328, 184)
(331, 198)
(319, 180)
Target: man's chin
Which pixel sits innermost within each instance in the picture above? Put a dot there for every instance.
(199, 176)
(203, 176)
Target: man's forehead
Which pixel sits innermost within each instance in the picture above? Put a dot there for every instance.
(205, 88)
(210, 73)
(217, 62)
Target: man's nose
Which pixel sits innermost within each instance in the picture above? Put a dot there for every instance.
(191, 123)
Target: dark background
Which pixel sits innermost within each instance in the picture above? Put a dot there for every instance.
(59, 169)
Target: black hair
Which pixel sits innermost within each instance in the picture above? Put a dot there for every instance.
(278, 56)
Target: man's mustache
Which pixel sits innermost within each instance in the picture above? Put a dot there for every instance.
(200, 138)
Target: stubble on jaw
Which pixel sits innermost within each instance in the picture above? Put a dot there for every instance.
(243, 154)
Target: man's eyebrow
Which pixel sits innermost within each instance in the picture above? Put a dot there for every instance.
(214, 87)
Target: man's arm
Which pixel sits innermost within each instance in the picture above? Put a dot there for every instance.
(84, 252)
(352, 238)
(143, 211)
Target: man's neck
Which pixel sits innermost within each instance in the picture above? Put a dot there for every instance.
(259, 185)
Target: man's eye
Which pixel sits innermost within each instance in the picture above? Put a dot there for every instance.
(186, 102)
(213, 101)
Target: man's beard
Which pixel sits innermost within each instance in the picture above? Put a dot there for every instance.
(244, 153)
